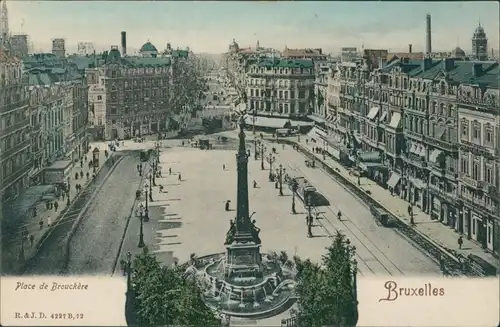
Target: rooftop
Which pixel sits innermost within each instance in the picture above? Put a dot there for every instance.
(286, 63)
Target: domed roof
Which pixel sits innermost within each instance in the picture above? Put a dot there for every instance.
(458, 53)
(148, 47)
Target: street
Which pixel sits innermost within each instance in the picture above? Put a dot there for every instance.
(94, 246)
(95, 242)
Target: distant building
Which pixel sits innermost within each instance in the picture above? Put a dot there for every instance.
(479, 44)
(148, 50)
(59, 47)
(349, 54)
(19, 45)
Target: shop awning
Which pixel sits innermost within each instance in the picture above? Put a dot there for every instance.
(317, 119)
(413, 148)
(434, 155)
(394, 180)
(369, 165)
(418, 183)
(422, 151)
(373, 113)
(320, 133)
(369, 157)
(15, 212)
(382, 117)
(395, 120)
(271, 122)
(439, 131)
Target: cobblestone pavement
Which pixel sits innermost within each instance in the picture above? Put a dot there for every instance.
(11, 251)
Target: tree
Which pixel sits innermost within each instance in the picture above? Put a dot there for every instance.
(327, 293)
(164, 297)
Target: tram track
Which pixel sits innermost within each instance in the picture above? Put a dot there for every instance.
(369, 254)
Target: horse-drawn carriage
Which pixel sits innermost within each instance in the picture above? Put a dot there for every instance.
(310, 163)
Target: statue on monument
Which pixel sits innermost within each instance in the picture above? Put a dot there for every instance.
(255, 232)
(231, 232)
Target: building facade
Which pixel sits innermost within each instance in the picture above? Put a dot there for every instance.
(280, 87)
(15, 160)
(320, 91)
(59, 47)
(137, 94)
(478, 180)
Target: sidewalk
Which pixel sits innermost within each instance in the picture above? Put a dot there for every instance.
(442, 235)
(11, 251)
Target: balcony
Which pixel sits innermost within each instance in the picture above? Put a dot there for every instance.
(14, 106)
(469, 199)
(14, 149)
(413, 135)
(448, 196)
(442, 145)
(16, 174)
(415, 160)
(469, 181)
(12, 128)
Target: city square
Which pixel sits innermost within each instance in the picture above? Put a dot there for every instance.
(252, 178)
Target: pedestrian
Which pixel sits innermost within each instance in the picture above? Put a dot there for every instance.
(56, 205)
(223, 167)
(47, 205)
(226, 206)
(460, 242)
(40, 223)
(63, 193)
(88, 174)
(409, 209)
(170, 171)
(90, 164)
(76, 176)
(81, 174)
(76, 187)
(85, 158)
(49, 221)
(81, 163)
(180, 177)
(254, 184)
(359, 181)
(32, 240)
(122, 266)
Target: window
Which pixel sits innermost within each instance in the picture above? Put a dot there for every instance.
(251, 92)
(476, 130)
(464, 166)
(465, 128)
(292, 94)
(99, 97)
(476, 175)
(488, 176)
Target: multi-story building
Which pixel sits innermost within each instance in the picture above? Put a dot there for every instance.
(46, 69)
(320, 91)
(15, 160)
(316, 55)
(479, 44)
(97, 102)
(19, 45)
(478, 179)
(137, 94)
(280, 87)
(59, 47)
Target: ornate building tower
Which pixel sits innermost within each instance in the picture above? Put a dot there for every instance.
(479, 44)
(4, 22)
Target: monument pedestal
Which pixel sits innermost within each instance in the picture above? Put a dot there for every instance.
(243, 260)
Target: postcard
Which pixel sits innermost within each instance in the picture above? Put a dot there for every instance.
(249, 163)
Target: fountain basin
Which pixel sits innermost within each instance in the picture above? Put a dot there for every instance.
(262, 295)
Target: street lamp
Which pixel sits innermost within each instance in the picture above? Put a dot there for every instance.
(294, 186)
(262, 149)
(254, 118)
(309, 215)
(141, 231)
(271, 159)
(146, 211)
(255, 147)
(151, 184)
(281, 180)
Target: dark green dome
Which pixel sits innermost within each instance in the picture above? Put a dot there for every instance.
(148, 47)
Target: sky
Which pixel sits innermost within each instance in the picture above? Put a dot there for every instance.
(210, 27)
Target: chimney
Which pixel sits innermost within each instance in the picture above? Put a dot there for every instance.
(477, 69)
(124, 43)
(428, 40)
(409, 48)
